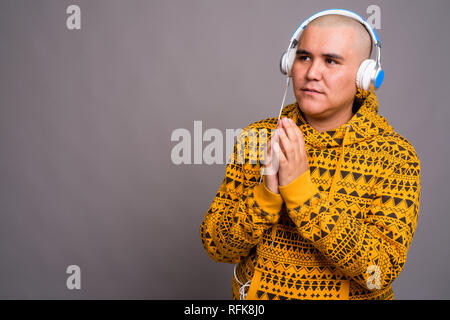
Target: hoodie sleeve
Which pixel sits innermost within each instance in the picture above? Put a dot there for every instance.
(368, 243)
(242, 209)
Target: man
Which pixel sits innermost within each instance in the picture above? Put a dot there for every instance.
(335, 217)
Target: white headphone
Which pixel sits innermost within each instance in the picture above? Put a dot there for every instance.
(370, 74)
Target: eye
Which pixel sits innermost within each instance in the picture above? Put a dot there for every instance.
(330, 61)
(303, 57)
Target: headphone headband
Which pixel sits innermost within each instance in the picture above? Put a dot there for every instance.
(342, 12)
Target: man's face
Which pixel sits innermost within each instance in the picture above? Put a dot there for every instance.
(327, 61)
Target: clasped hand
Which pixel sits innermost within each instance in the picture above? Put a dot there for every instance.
(288, 159)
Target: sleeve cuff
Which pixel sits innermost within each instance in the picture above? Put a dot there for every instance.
(266, 199)
(298, 191)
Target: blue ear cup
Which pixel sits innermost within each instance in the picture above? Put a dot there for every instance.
(379, 78)
(369, 75)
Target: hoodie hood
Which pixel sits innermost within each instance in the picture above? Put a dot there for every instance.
(365, 124)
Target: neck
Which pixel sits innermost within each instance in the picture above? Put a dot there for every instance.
(331, 122)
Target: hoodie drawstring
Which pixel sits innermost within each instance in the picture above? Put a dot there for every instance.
(273, 234)
(242, 294)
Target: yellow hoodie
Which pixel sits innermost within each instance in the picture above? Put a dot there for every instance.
(339, 231)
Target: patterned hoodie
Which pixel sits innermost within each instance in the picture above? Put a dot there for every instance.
(341, 230)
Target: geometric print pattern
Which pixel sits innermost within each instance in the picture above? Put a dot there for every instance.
(362, 211)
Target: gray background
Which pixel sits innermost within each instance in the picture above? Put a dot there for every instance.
(86, 118)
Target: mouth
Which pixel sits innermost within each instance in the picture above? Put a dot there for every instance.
(311, 91)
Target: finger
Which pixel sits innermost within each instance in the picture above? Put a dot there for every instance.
(290, 127)
(269, 151)
(273, 138)
(299, 141)
(279, 154)
(287, 146)
(268, 170)
(271, 164)
(274, 164)
(300, 137)
(291, 132)
(281, 123)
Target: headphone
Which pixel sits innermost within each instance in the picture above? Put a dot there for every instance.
(370, 75)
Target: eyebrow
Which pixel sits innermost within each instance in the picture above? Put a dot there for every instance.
(326, 55)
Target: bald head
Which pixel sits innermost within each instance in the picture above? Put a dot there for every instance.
(363, 43)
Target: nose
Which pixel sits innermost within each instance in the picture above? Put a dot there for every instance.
(314, 71)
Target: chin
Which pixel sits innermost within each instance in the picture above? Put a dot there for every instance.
(312, 108)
